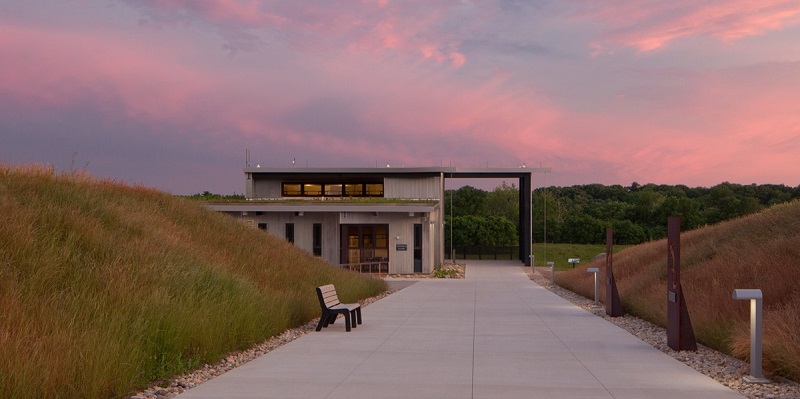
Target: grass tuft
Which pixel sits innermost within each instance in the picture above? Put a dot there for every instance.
(105, 288)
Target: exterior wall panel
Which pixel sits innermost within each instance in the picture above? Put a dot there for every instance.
(412, 188)
(266, 188)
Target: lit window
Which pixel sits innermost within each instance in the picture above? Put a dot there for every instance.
(314, 190)
(291, 190)
(333, 190)
(375, 190)
(353, 190)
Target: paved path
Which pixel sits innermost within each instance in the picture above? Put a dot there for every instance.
(495, 334)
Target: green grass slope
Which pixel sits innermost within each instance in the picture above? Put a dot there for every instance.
(561, 252)
(757, 251)
(105, 288)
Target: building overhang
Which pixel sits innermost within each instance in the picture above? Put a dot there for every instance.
(388, 171)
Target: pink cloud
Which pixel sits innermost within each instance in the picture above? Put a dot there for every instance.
(740, 125)
(58, 68)
(648, 26)
(372, 27)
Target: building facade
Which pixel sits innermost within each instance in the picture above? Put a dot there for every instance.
(380, 220)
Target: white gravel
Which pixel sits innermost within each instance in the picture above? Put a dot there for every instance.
(719, 366)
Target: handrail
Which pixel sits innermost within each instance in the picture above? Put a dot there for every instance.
(380, 267)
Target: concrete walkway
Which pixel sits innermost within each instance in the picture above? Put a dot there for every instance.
(495, 334)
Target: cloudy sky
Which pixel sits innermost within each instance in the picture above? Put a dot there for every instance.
(171, 93)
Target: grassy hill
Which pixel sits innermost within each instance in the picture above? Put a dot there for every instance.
(105, 287)
(757, 251)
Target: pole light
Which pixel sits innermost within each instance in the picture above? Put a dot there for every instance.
(594, 271)
(755, 297)
(552, 272)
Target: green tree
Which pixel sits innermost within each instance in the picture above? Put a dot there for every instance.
(503, 202)
(626, 232)
(466, 200)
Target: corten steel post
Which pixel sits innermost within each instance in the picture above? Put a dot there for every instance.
(613, 303)
(680, 335)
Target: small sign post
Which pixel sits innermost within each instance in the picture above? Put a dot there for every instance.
(574, 261)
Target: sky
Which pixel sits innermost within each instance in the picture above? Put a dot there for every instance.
(172, 94)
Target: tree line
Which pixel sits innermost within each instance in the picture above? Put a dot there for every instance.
(580, 214)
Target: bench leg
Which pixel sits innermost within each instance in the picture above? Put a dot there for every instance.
(322, 321)
(347, 322)
(352, 315)
(331, 318)
(357, 315)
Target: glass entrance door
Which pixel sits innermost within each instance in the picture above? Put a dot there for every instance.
(365, 247)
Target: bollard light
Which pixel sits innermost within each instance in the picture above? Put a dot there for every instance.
(552, 272)
(755, 297)
(595, 271)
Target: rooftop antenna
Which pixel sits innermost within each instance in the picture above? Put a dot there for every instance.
(247, 157)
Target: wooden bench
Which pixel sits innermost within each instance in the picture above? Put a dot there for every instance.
(331, 307)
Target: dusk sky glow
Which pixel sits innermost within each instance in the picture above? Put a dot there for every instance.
(171, 93)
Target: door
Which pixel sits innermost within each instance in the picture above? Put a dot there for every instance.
(417, 248)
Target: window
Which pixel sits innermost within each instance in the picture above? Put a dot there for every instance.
(290, 232)
(291, 190)
(306, 189)
(375, 190)
(313, 190)
(317, 239)
(333, 190)
(353, 190)
(262, 226)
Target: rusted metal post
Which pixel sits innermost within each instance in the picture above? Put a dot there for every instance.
(680, 335)
(613, 303)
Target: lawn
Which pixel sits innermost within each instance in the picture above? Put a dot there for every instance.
(559, 253)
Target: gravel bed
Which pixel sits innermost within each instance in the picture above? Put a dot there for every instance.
(719, 366)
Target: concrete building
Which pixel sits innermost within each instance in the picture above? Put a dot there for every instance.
(386, 220)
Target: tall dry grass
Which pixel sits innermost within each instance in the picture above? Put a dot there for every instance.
(105, 288)
(757, 251)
